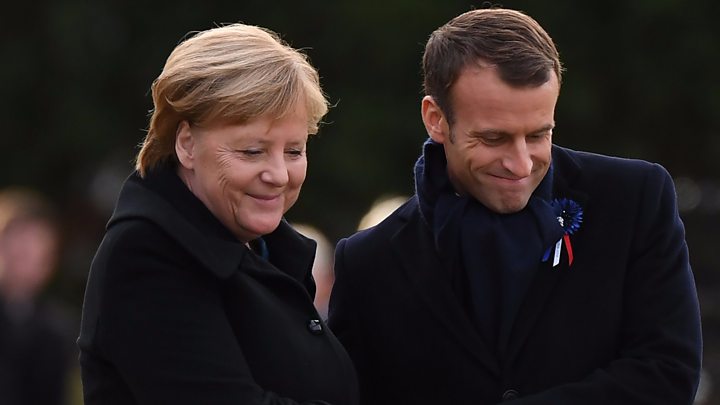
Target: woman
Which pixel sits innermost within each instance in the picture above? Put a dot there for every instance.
(200, 292)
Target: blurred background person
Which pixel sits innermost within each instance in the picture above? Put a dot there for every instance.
(380, 209)
(35, 340)
(324, 257)
(322, 269)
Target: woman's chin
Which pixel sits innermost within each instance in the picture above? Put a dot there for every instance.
(260, 228)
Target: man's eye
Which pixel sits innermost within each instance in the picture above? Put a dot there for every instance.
(538, 137)
(492, 140)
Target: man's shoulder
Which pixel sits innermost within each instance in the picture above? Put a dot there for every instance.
(593, 159)
(594, 166)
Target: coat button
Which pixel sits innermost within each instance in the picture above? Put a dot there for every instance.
(510, 394)
(315, 327)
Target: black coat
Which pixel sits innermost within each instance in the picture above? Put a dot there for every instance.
(619, 326)
(177, 311)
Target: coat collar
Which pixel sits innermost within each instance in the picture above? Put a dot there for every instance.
(163, 199)
(567, 170)
(430, 281)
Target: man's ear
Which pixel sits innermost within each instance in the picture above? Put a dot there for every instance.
(184, 145)
(435, 122)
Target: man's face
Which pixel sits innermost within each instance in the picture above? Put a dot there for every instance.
(499, 147)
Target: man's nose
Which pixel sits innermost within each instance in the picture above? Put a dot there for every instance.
(518, 160)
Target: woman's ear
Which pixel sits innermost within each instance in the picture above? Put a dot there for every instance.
(435, 123)
(184, 145)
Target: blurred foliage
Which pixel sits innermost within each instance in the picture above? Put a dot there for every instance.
(76, 78)
(641, 81)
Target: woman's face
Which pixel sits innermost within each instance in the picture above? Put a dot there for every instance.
(247, 175)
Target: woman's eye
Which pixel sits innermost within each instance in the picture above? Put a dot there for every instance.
(294, 152)
(250, 152)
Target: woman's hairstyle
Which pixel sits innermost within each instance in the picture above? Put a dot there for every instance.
(507, 40)
(230, 74)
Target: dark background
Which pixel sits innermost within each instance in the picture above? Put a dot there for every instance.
(641, 81)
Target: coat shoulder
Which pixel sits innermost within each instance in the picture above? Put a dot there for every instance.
(595, 165)
(137, 238)
(597, 174)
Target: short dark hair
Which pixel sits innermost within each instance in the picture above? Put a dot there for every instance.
(508, 40)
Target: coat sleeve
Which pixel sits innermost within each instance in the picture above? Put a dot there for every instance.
(163, 327)
(341, 313)
(660, 353)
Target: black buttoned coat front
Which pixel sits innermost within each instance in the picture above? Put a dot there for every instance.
(177, 311)
(620, 325)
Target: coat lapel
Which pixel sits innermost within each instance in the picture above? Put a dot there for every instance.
(428, 278)
(290, 259)
(532, 307)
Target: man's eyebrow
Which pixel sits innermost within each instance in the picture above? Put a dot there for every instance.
(498, 132)
(546, 128)
(488, 131)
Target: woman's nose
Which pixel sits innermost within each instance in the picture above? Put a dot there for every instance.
(275, 172)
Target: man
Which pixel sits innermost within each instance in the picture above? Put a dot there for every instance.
(520, 270)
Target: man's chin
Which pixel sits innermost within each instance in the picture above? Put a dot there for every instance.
(507, 206)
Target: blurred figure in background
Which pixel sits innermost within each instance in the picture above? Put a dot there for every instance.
(380, 209)
(35, 344)
(322, 269)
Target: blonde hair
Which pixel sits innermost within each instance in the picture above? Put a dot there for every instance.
(228, 74)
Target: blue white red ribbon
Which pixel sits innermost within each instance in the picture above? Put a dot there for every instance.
(570, 215)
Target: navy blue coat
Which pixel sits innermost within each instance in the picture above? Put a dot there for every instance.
(621, 325)
(178, 311)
